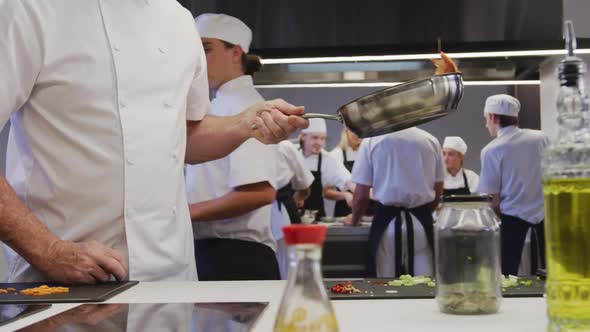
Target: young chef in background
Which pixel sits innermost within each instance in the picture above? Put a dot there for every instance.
(345, 153)
(458, 180)
(95, 165)
(230, 197)
(406, 172)
(511, 173)
(327, 172)
(294, 181)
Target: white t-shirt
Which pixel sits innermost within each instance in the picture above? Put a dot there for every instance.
(402, 167)
(251, 162)
(457, 181)
(291, 170)
(511, 166)
(99, 93)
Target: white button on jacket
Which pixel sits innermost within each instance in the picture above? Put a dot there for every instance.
(83, 83)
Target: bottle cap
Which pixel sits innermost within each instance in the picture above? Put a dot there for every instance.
(304, 234)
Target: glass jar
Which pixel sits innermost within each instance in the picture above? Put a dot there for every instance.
(468, 270)
(305, 305)
(566, 188)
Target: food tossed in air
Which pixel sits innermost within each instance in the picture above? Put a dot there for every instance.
(445, 65)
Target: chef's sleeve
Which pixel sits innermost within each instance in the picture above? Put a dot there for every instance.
(21, 56)
(439, 171)
(490, 180)
(362, 172)
(252, 162)
(302, 177)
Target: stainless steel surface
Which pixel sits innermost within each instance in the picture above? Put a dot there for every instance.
(400, 107)
(322, 116)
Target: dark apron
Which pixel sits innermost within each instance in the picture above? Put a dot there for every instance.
(285, 198)
(513, 232)
(315, 201)
(459, 191)
(231, 259)
(383, 216)
(341, 209)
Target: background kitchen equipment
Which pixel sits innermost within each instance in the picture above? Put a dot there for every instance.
(401, 106)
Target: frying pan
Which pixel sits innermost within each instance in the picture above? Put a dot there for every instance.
(400, 107)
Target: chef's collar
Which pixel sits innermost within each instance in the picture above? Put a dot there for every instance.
(507, 130)
(235, 84)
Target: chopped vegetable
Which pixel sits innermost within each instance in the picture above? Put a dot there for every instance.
(408, 281)
(345, 288)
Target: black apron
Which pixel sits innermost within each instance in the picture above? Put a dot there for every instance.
(341, 209)
(513, 232)
(383, 216)
(285, 198)
(459, 191)
(315, 201)
(231, 259)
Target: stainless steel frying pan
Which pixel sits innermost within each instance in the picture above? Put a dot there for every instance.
(401, 106)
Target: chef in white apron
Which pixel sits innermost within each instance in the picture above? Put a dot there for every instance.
(511, 173)
(230, 197)
(326, 170)
(106, 101)
(294, 181)
(458, 180)
(406, 172)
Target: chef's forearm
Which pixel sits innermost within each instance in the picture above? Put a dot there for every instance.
(438, 191)
(301, 195)
(231, 205)
(360, 202)
(214, 137)
(20, 229)
(333, 194)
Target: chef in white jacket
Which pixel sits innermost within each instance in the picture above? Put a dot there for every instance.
(294, 181)
(107, 101)
(406, 172)
(229, 198)
(326, 170)
(511, 173)
(458, 180)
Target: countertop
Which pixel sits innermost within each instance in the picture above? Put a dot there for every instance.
(516, 314)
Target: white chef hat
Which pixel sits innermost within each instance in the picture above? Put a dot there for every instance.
(456, 143)
(315, 126)
(226, 28)
(503, 105)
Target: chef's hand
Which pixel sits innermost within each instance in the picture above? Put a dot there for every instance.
(348, 197)
(348, 221)
(273, 121)
(83, 263)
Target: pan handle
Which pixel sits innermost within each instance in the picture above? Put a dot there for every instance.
(322, 116)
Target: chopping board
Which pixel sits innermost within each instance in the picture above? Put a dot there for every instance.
(372, 289)
(77, 293)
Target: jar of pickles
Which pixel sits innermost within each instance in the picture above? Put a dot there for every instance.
(468, 270)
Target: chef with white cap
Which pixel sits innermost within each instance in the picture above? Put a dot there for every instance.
(458, 180)
(511, 173)
(326, 170)
(229, 198)
(406, 172)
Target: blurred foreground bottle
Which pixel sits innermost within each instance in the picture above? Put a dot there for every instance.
(305, 305)
(566, 177)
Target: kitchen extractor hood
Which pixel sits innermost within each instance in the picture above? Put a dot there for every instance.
(399, 35)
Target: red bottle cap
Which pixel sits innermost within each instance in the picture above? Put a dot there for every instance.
(304, 234)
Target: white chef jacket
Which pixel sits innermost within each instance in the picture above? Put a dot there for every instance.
(457, 181)
(99, 93)
(334, 174)
(291, 169)
(337, 154)
(402, 168)
(511, 166)
(251, 162)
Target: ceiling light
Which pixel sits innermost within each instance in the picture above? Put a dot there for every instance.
(381, 84)
(406, 57)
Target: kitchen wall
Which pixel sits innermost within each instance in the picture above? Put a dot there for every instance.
(467, 122)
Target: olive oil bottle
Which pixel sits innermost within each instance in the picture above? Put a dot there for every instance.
(566, 177)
